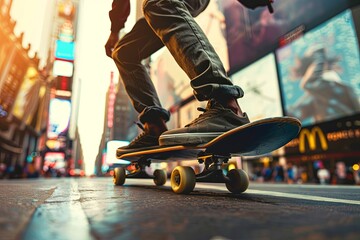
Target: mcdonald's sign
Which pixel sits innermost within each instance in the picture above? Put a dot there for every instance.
(311, 136)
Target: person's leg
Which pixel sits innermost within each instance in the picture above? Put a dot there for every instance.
(135, 46)
(173, 23)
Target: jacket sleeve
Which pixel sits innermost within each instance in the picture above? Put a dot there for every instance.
(119, 14)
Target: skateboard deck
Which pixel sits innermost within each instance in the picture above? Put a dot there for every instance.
(253, 139)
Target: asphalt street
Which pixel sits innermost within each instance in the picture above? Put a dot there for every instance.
(93, 208)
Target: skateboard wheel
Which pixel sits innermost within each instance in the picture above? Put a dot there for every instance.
(238, 181)
(183, 180)
(119, 176)
(160, 177)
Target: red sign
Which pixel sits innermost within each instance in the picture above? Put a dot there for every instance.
(111, 102)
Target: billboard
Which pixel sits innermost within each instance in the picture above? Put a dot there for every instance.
(63, 68)
(59, 117)
(320, 74)
(260, 84)
(65, 50)
(28, 97)
(42, 114)
(252, 34)
(111, 147)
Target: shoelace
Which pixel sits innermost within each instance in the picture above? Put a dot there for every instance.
(206, 111)
(139, 124)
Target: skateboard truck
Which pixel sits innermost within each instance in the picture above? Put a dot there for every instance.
(212, 172)
(140, 166)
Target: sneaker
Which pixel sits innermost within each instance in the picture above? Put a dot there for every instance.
(213, 122)
(145, 140)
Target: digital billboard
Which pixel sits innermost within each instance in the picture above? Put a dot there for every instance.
(28, 96)
(42, 114)
(63, 68)
(65, 50)
(319, 72)
(111, 147)
(251, 34)
(59, 117)
(260, 84)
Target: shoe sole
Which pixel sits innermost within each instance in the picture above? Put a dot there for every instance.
(187, 138)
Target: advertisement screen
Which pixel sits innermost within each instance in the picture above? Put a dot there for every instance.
(60, 111)
(63, 68)
(111, 147)
(320, 73)
(43, 108)
(65, 50)
(55, 160)
(260, 84)
(28, 96)
(251, 34)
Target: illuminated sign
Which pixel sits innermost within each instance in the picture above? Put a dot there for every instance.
(27, 99)
(111, 102)
(63, 68)
(111, 147)
(66, 9)
(337, 136)
(311, 138)
(64, 50)
(59, 118)
(66, 32)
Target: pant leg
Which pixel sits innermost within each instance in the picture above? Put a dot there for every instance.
(173, 23)
(135, 46)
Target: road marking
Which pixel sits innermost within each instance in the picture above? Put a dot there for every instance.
(280, 194)
(286, 195)
(61, 216)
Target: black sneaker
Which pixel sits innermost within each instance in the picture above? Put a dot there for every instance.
(213, 122)
(144, 141)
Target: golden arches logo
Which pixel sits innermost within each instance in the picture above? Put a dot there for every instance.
(311, 137)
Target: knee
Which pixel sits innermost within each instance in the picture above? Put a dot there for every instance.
(147, 5)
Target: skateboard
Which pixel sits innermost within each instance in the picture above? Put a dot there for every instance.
(252, 139)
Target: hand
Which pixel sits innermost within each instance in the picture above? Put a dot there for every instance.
(257, 3)
(110, 44)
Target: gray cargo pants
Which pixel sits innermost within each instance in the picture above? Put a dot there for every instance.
(170, 23)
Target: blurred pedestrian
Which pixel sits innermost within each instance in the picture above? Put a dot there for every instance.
(323, 174)
(279, 174)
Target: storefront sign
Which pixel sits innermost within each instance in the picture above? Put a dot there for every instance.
(311, 136)
(338, 136)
